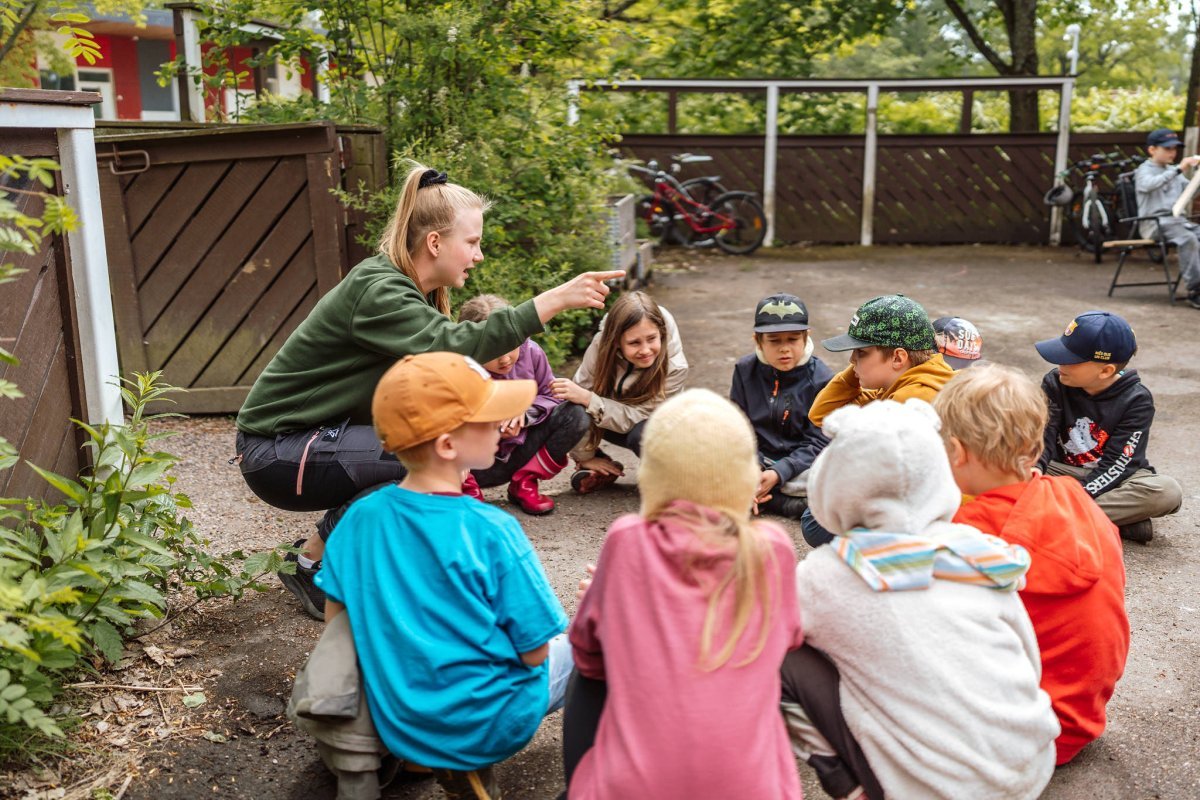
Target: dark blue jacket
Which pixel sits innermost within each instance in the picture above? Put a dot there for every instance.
(777, 404)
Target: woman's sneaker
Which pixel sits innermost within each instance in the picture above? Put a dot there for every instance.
(301, 584)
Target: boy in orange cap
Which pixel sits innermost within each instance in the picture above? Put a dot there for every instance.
(456, 626)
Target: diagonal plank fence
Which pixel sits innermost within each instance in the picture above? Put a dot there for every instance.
(930, 189)
(220, 241)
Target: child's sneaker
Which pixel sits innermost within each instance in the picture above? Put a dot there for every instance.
(478, 784)
(301, 584)
(1141, 532)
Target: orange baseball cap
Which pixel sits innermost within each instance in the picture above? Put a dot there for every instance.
(421, 397)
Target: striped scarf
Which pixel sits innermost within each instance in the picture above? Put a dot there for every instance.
(897, 562)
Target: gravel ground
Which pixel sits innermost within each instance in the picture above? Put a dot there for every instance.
(1014, 295)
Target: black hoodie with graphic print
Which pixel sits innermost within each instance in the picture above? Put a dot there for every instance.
(1107, 432)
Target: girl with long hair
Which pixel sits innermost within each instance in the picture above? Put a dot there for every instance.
(633, 364)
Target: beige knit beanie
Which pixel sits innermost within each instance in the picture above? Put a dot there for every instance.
(699, 447)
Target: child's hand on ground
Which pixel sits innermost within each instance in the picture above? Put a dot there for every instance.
(568, 390)
(767, 481)
(605, 466)
(511, 427)
(586, 583)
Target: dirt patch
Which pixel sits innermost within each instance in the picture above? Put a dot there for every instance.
(1015, 295)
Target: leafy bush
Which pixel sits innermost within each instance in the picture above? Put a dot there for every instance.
(77, 574)
(471, 89)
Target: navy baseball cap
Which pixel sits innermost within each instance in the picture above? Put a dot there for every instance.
(1094, 336)
(1163, 137)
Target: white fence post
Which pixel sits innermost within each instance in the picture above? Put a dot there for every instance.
(89, 269)
(1060, 157)
(870, 147)
(187, 43)
(770, 156)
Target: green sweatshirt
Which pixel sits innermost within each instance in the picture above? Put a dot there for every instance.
(327, 369)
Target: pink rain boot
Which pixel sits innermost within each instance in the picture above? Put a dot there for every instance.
(470, 488)
(524, 487)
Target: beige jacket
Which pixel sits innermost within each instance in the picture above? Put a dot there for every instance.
(611, 414)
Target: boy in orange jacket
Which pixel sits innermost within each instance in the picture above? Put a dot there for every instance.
(894, 357)
(992, 422)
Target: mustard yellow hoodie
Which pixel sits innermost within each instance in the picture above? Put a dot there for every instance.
(923, 381)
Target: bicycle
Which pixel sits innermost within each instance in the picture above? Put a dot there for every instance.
(733, 221)
(703, 189)
(1093, 210)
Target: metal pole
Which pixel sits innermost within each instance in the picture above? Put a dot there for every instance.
(770, 155)
(572, 102)
(89, 270)
(869, 161)
(1060, 156)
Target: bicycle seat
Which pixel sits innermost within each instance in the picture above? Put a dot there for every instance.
(711, 178)
(690, 158)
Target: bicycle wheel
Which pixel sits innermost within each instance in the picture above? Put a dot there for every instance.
(1097, 236)
(749, 223)
(1081, 225)
(703, 190)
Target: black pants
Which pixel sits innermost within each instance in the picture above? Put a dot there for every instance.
(340, 464)
(631, 441)
(581, 717)
(811, 681)
(558, 433)
(814, 534)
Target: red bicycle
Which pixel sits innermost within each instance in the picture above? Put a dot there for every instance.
(733, 221)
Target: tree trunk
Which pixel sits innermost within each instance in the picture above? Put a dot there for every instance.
(1193, 89)
(1022, 40)
(1023, 111)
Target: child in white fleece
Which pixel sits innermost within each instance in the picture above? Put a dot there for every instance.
(920, 670)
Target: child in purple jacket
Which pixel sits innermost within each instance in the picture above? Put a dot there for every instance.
(533, 446)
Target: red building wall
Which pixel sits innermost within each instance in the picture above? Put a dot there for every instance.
(119, 53)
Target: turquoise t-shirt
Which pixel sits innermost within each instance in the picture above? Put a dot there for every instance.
(444, 593)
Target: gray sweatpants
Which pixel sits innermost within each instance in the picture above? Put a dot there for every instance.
(1185, 236)
(1143, 495)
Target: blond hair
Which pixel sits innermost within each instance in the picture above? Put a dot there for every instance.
(997, 413)
(480, 307)
(420, 212)
(747, 578)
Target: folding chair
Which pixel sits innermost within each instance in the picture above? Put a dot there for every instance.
(1157, 248)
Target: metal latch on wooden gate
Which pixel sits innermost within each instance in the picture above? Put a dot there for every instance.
(126, 162)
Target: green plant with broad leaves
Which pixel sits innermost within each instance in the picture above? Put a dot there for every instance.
(75, 575)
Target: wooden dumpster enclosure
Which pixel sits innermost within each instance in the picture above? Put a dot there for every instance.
(220, 241)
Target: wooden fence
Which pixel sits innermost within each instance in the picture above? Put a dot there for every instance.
(929, 189)
(220, 241)
(38, 325)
